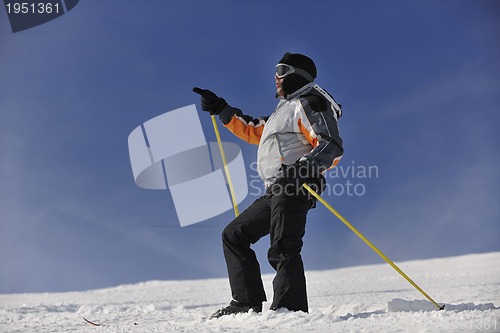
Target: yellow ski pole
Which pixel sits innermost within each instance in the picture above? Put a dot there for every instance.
(370, 244)
(226, 168)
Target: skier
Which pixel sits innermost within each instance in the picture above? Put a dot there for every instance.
(297, 143)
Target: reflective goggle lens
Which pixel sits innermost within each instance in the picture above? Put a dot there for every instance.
(283, 70)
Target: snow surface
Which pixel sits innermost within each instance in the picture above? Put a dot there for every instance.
(358, 299)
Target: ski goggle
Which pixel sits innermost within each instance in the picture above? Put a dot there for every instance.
(283, 70)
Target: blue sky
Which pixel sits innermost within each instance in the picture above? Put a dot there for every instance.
(419, 86)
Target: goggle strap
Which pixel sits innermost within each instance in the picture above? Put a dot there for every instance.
(304, 74)
(299, 71)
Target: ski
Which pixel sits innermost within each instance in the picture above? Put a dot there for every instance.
(91, 322)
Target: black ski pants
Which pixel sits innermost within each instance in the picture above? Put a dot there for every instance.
(280, 212)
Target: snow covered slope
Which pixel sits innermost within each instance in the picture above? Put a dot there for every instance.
(360, 299)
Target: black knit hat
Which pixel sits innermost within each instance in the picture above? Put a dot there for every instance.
(301, 61)
(294, 81)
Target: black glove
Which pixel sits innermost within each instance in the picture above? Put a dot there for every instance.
(209, 101)
(299, 173)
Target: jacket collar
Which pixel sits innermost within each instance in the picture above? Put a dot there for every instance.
(299, 92)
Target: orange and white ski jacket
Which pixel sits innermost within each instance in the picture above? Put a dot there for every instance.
(304, 125)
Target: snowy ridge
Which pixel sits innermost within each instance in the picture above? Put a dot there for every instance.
(366, 298)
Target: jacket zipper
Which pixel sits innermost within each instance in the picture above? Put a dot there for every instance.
(278, 147)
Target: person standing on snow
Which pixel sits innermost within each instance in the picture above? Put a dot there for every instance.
(297, 143)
